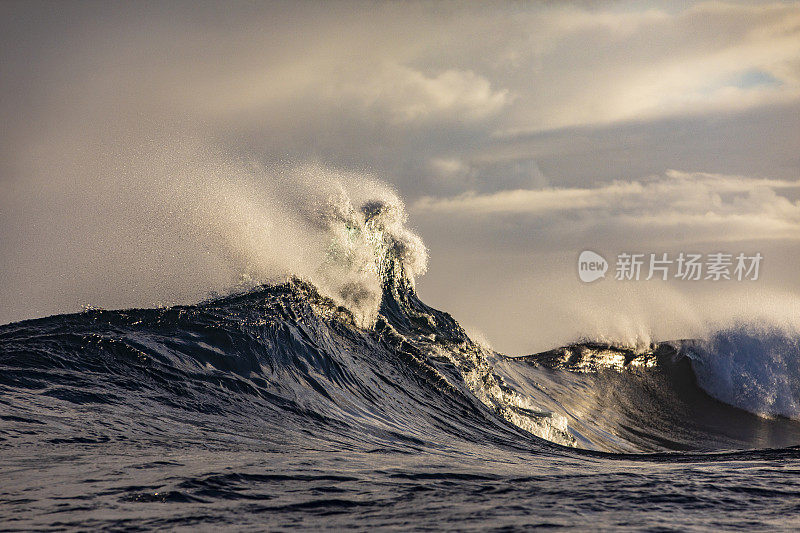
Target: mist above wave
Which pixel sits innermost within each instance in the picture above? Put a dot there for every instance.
(161, 222)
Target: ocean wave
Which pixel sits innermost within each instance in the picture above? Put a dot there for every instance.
(352, 351)
(299, 362)
(649, 399)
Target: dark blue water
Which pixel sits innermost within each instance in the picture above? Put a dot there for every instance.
(274, 410)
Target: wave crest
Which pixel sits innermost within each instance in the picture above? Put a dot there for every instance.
(370, 250)
(755, 369)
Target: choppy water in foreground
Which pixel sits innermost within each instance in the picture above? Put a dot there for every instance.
(275, 410)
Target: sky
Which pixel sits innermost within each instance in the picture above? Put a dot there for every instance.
(516, 134)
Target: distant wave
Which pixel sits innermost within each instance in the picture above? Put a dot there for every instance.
(665, 397)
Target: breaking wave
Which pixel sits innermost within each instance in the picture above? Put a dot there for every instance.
(349, 349)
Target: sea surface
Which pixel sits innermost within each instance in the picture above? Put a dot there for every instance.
(274, 409)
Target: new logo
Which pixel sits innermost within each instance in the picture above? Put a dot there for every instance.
(591, 266)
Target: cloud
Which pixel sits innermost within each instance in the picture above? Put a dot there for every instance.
(394, 87)
(710, 206)
(407, 95)
(449, 167)
(602, 67)
(396, 93)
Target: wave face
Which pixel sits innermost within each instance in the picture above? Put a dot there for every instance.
(291, 406)
(283, 350)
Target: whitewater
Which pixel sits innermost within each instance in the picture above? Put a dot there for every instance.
(314, 389)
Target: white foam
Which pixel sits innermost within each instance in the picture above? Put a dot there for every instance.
(754, 368)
